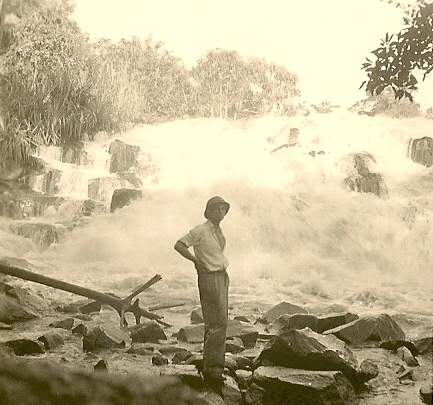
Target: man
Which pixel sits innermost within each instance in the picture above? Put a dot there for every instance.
(208, 244)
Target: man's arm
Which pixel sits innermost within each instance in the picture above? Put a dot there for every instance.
(181, 248)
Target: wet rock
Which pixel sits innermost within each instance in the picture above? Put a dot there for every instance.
(74, 155)
(33, 205)
(405, 354)
(303, 387)
(105, 337)
(46, 182)
(142, 349)
(22, 347)
(367, 371)
(308, 350)
(67, 324)
(369, 329)
(426, 394)
(281, 309)
(196, 316)
(17, 304)
(123, 157)
(421, 151)
(93, 306)
(395, 344)
(42, 234)
(330, 321)
(101, 365)
(424, 345)
(70, 385)
(51, 340)
(181, 356)
(295, 321)
(234, 345)
(242, 362)
(147, 332)
(80, 330)
(159, 360)
(102, 188)
(123, 197)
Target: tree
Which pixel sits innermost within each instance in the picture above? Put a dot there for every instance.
(398, 56)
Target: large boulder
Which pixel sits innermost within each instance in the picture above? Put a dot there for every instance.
(124, 196)
(123, 156)
(421, 151)
(303, 387)
(17, 304)
(308, 350)
(369, 329)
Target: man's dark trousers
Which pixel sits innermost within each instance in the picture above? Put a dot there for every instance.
(213, 288)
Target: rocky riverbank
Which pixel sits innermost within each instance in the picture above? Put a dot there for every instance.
(279, 355)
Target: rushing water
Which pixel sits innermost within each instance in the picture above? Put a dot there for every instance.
(294, 234)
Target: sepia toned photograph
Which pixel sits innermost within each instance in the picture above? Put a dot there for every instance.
(216, 202)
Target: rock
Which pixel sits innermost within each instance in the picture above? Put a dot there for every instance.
(22, 347)
(159, 360)
(123, 157)
(17, 304)
(254, 395)
(124, 196)
(105, 337)
(295, 321)
(29, 206)
(191, 333)
(303, 387)
(302, 349)
(244, 318)
(181, 356)
(231, 392)
(405, 375)
(41, 233)
(142, 349)
(369, 329)
(367, 371)
(46, 182)
(245, 331)
(93, 306)
(326, 322)
(421, 151)
(424, 345)
(395, 344)
(101, 365)
(67, 324)
(281, 309)
(426, 394)
(5, 326)
(196, 316)
(244, 378)
(39, 382)
(102, 188)
(80, 330)
(51, 340)
(234, 345)
(74, 155)
(243, 363)
(405, 354)
(147, 332)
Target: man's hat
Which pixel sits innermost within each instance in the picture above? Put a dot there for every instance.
(214, 201)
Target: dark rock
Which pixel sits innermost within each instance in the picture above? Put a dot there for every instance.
(367, 371)
(424, 345)
(421, 151)
(101, 365)
(39, 382)
(80, 330)
(295, 321)
(101, 188)
(231, 392)
(310, 351)
(234, 345)
(159, 360)
(242, 362)
(196, 316)
(142, 349)
(395, 344)
(405, 354)
(51, 340)
(123, 197)
(147, 332)
(254, 395)
(326, 322)
(426, 394)
(191, 333)
(42, 234)
(243, 318)
(181, 356)
(93, 306)
(67, 324)
(168, 350)
(303, 387)
(123, 157)
(244, 378)
(105, 337)
(406, 375)
(17, 304)
(369, 329)
(22, 347)
(281, 309)
(197, 361)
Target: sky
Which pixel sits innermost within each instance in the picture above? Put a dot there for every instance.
(323, 42)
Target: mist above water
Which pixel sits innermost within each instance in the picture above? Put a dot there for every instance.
(294, 233)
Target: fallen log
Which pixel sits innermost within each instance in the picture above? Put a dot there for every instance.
(22, 269)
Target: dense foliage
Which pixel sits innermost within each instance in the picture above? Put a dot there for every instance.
(398, 56)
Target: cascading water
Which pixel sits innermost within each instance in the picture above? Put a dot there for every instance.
(294, 233)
